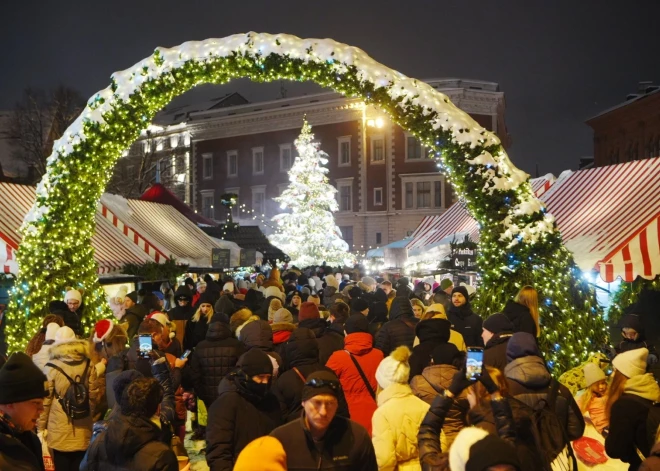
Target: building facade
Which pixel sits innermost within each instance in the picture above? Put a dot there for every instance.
(629, 131)
(386, 181)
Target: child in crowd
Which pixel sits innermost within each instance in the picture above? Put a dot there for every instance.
(594, 398)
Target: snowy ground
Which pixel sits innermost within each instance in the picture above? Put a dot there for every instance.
(197, 458)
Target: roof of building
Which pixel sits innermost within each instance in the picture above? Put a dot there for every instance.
(634, 98)
(158, 193)
(248, 237)
(176, 114)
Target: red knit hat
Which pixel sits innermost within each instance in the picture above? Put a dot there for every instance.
(102, 329)
(308, 310)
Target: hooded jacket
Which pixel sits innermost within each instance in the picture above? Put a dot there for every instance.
(302, 353)
(330, 295)
(182, 313)
(466, 323)
(235, 419)
(430, 333)
(395, 426)
(329, 336)
(520, 317)
(400, 330)
(225, 305)
(214, 358)
(360, 403)
(281, 334)
(258, 334)
(530, 381)
(628, 416)
(129, 444)
(495, 351)
(133, 318)
(65, 434)
(19, 451)
(433, 381)
(634, 321)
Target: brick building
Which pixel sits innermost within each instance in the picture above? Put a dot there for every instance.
(630, 130)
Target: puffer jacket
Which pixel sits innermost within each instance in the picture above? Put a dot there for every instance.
(258, 334)
(129, 444)
(400, 330)
(212, 360)
(495, 351)
(395, 426)
(302, 353)
(431, 333)
(329, 336)
(433, 381)
(520, 317)
(529, 381)
(281, 334)
(360, 403)
(195, 332)
(628, 431)
(65, 434)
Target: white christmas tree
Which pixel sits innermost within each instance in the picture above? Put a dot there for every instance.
(308, 233)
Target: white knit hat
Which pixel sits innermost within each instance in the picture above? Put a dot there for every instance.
(631, 363)
(459, 453)
(593, 374)
(73, 294)
(330, 280)
(164, 321)
(63, 335)
(274, 291)
(394, 368)
(51, 330)
(229, 286)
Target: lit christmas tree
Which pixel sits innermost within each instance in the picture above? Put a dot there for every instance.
(308, 234)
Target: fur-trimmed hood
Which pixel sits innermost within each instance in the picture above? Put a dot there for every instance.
(279, 326)
(75, 350)
(239, 319)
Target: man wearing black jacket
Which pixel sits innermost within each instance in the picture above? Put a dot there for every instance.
(497, 330)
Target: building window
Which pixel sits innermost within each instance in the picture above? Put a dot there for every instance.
(345, 194)
(413, 149)
(347, 235)
(378, 196)
(257, 160)
(422, 191)
(344, 151)
(286, 157)
(207, 204)
(437, 194)
(159, 145)
(232, 163)
(259, 200)
(235, 210)
(409, 196)
(423, 194)
(377, 149)
(207, 166)
(379, 238)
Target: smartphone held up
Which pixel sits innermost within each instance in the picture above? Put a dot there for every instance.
(475, 362)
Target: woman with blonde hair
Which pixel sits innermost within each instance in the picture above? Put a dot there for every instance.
(418, 308)
(523, 311)
(198, 325)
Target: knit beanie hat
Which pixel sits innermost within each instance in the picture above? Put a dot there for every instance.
(229, 286)
(322, 380)
(437, 308)
(446, 283)
(274, 306)
(354, 292)
(308, 310)
(102, 329)
(521, 344)
(21, 380)
(359, 305)
(356, 323)
(51, 330)
(463, 290)
(63, 335)
(631, 363)
(395, 368)
(474, 449)
(122, 380)
(593, 374)
(274, 291)
(498, 323)
(73, 295)
(255, 362)
(331, 280)
(264, 453)
(369, 281)
(283, 315)
(444, 354)
(133, 296)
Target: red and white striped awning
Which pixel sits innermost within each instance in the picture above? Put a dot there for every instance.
(111, 249)
(608, 217)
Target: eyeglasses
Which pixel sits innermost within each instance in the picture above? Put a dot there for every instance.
(320, 383)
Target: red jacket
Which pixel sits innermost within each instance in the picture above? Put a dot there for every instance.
(361, 405)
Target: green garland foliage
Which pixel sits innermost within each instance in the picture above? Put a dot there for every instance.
(152, 271)
(627, 294)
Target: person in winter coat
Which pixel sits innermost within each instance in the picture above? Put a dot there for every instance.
(198, 324)
(259, 335)
(132, 440)
(358, 347)
(529, 381)
(377, 314)
(329, 336)
(293, 302)
(400, 330)
(423, 291)
(41, 357)
(37, 341)
(182, 311)
(462, 319)
(497, 330)
(431, 333)
(633, 335)
(274, 306)
(593, 400)
(134, 314)
(302, 354)
(419, 308)
(225, 306)
(321, 438)
(213, 359)
(270, 294)
(434, 380)
(74, 302)
(396, 421)
(244, 410)
(68, 438)
(22, 395)
(331, 291)
(632, 392)
(437, 311)
(523, 311)
(282, 328)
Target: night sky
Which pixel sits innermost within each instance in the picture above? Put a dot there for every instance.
(557, 62)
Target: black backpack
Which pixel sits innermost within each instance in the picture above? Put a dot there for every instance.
(549, 433)
(75, 401)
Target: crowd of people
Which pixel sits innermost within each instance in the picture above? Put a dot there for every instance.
(316, 369)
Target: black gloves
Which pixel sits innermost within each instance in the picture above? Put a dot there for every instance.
(488, 382)
(459, 382)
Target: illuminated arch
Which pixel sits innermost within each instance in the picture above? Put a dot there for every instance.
(519, 242)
